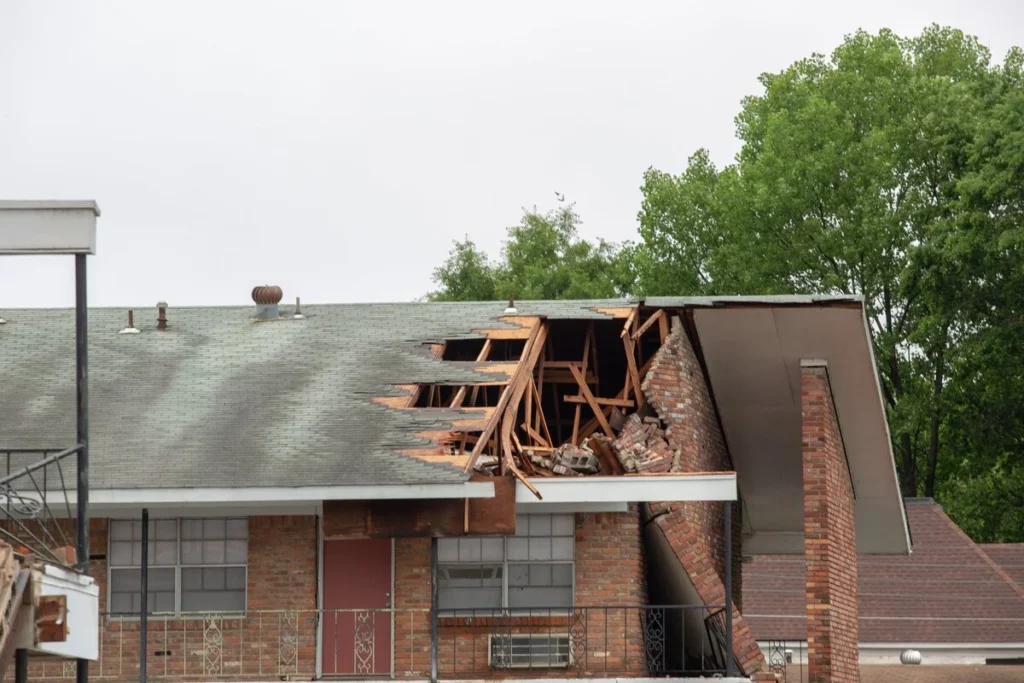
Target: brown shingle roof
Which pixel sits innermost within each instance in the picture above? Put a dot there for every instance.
(948, 590)
(1009, 557)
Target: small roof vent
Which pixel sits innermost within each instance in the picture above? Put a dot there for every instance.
(297, 315)
(511, 308)
(266, 299)
(131, 329)
(161, 315)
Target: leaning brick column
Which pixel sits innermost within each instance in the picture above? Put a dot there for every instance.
(830, 540)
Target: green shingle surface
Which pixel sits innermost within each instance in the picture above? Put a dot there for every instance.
(219, 401)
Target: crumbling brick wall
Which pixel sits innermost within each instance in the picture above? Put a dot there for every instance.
(830, 536)
(610, 572)
(676, 388)
(277, 635)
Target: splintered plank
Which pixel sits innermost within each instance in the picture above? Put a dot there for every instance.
(617, 402)
(630, 321)
(634, 374)
(541, 420)
(649, 323)
(513, 392)
(598, 413)
(534, 435)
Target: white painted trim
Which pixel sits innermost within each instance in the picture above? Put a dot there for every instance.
(542, 507)
(264, 495)
(813, 363)
(631, 489)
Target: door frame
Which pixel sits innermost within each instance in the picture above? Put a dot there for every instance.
(321, 540)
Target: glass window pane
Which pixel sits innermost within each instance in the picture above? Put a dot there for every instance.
(120, 603)
(563, 525)
(213, 601)
(522, 525)
(238, 529)
(125, 581)
(236, 578)
(166, 530)
(191, 552)
(561, 574)
(192, 529)
(137, 530)
(540, 548)
(120, 530)
(540, 575)
(213, 579)
(518, 549)
(469, 598)
(469, 549)
(120, 553)
(213, 552)
(539, 597)
(447, 549)
(540, 525)
(191, 579)
(519, 575)
(236, 552)
(561, 548)
(492, 549)
(137, 552)
(160, 580)
(163, 602)
(165, 552)
(214, 529)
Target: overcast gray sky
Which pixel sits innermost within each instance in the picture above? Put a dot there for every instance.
(337, 148)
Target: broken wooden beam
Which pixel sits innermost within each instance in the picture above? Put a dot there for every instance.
(585, 391)
(617, 402)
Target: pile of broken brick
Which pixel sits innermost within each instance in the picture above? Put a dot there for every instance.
(639, 447)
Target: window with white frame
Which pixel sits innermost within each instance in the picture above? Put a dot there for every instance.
(532, 569)
(195, 565)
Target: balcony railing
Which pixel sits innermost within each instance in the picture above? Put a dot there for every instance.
(671, 640)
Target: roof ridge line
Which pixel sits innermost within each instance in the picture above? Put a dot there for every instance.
(984, 556)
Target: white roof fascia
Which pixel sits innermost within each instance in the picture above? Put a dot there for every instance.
(276, 495)
(718, 486)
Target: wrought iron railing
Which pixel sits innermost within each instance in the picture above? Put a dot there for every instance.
(36, 511)
(788, 658)
(601, 642)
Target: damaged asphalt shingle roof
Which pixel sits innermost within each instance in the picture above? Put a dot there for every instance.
(220, 401)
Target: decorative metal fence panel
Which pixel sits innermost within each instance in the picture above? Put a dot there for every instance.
(581, 642)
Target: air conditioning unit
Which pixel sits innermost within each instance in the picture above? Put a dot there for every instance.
(536, 651)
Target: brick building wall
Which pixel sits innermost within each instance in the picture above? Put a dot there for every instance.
(610, 573)
(277, 636)
(830, 537)
(676, 388)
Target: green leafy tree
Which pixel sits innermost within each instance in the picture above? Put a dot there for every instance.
(542, 257)
(893, 169)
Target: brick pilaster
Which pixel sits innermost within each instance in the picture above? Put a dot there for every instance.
(830, 537)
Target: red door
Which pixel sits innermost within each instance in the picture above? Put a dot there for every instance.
(357, 603)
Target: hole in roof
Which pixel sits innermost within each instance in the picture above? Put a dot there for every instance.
(469, 349)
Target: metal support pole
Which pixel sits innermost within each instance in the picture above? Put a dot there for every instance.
(433, 610)
(144, 607)
(82, 404)
(730, 663)
(21, 665)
